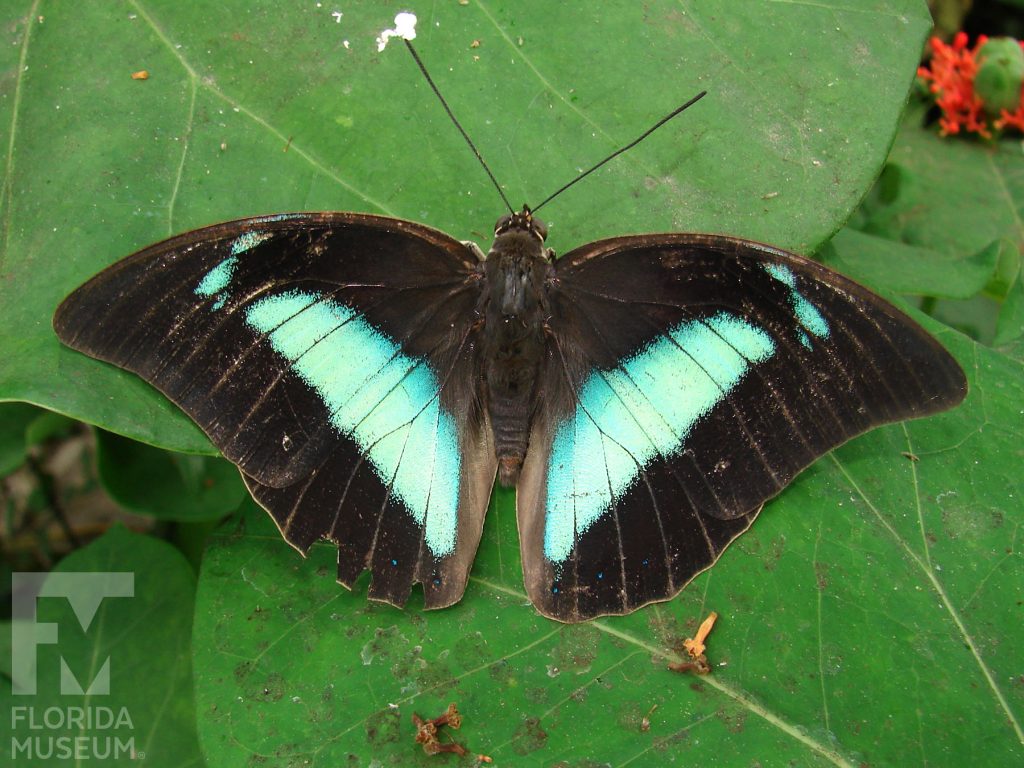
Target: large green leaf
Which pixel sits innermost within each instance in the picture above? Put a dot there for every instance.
(258, 107)
(891, 265)
(165, 484)
(947, 194)
(144, 639)
(945, 220)
(1011, 319)
(15, 420)
(870, 617)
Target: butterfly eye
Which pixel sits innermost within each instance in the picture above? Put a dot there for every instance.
(540, 228)
(502, 224)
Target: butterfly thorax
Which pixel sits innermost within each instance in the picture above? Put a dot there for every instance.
(515, 314)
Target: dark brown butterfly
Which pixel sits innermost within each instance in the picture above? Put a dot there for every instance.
(645, 395)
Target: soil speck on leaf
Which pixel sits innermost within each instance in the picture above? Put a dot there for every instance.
(821, 575)
(529, 737)
(537, 695)
(385, 643)
(272, 688)
(774, 554)
(383, 727)
(242, 671)
(471, 650)
(501, 672)
(665, 627)
(576, 649)
(734, 720)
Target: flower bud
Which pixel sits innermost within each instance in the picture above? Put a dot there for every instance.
(1000, 75)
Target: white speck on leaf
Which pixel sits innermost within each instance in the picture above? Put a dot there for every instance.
(367, 654)
(405, 28)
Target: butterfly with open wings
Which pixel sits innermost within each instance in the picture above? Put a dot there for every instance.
(645, 395)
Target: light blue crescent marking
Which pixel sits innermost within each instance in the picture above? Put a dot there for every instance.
(640, 410)
(808, 314)
(386, 402)
(249, 240)
(217, 279)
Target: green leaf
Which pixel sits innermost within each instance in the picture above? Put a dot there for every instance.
(1008, 267)
(867, 618)
(1010, 327)
(15, 419)
(145, 639)
(5, 645)
(259, 107)
(947, 195)
(894, 266)
(48, 426)
(943, 221)
(166, 485)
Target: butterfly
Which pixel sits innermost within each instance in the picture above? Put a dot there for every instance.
(645, 395)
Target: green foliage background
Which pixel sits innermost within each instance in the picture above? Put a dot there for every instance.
(871, 615)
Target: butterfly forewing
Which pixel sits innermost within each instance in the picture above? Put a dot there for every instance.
(705, 372)
(331, 357)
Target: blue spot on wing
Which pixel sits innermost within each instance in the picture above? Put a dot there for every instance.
(643, 409)
(217, 279)
(248, 241)
(383, 400)
(806, 313)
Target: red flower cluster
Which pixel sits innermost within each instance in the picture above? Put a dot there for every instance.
(950, 77)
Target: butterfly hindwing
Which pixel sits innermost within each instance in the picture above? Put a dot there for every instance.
(364, 519)
(705, 372)
(330, 357)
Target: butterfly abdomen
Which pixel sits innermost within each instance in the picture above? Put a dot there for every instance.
(517, 268)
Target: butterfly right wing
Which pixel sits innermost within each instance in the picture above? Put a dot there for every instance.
(331, 357)
(693, 377)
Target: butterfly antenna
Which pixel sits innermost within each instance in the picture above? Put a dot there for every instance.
(437, 92)
(618, 152)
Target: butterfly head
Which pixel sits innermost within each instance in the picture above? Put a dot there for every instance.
(523, 221)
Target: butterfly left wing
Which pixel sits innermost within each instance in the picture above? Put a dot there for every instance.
(689, 379)
(330, 357)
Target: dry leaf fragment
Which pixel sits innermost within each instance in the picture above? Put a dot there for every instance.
(426, 732)
(695, 647)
